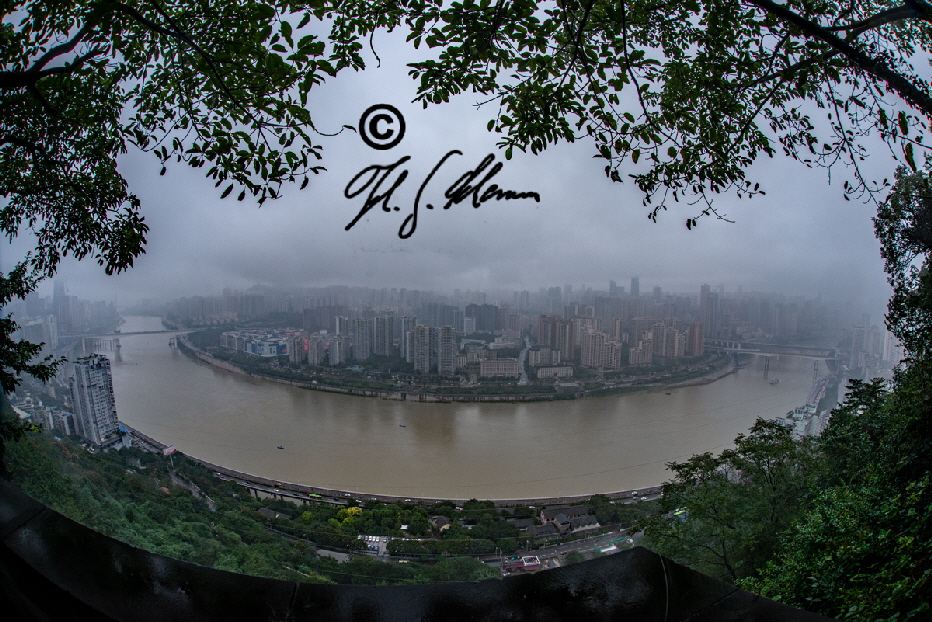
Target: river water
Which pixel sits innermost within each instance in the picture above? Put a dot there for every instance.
(487, 451)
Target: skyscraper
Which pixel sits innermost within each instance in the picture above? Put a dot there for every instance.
(407, 324)
(336, 353)
(92, 393)
(635, 286)
(383, 343)
(362, 340)
(709, 310)
(446, 351)
(425, 349)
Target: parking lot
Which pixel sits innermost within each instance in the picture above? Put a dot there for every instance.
(375, 545)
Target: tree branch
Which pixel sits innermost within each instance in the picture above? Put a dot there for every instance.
(910, 93)
(20, 79)
(180, 35)
(884, 17)
(35, 149)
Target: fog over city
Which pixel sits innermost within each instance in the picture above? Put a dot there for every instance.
(802, 238)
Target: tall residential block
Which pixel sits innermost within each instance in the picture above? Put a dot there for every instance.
(336, 353)
(92, 393)
(446, 345)
(407, 324)
(694, 339)
(362, 340)
(425, 349)
(383, 342)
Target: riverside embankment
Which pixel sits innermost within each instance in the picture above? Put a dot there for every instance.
(440, 398)
(721, 368)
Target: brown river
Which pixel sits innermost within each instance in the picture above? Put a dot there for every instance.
(487, 451)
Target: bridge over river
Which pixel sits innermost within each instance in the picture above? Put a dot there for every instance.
(751, 347)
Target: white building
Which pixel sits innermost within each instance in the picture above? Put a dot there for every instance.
(95, 415)
(316, 350)
(499, 367)
(407, 324)
(337, 351)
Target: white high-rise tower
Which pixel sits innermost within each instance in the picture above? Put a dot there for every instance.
(92, 392)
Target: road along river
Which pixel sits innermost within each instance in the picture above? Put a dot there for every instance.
(459, 450)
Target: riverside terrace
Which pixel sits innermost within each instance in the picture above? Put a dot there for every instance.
(52, 568)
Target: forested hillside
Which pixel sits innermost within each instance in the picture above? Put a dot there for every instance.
(838, 524)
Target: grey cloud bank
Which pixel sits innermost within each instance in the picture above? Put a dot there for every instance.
(802, 238)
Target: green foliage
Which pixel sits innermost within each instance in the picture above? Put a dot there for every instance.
(574, 557)
(204, 339)
(904, 227)
(682, 97)
(859, 554)
(724, 514)
(507, 546)
(119, 494)
(624, 514)
(457, 569)
(222, 86)
(860, 548)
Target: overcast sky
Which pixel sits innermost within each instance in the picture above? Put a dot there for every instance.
(803, 238)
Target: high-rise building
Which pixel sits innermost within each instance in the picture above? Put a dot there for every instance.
(635, 286)
(362, 339)
(410, 350)
(446, 351)
(554, 331)
(383, 343)
(341, 325)
(425, 349)
(336, 354)
(694, 339)
(892, 349)
(598, 350)
(297, 350)
(639, 327)
(486, 317)
(92, 393)
(316, 349)
(407, 324)
(709, 311)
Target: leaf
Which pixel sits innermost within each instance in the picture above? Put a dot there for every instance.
(909, 156)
